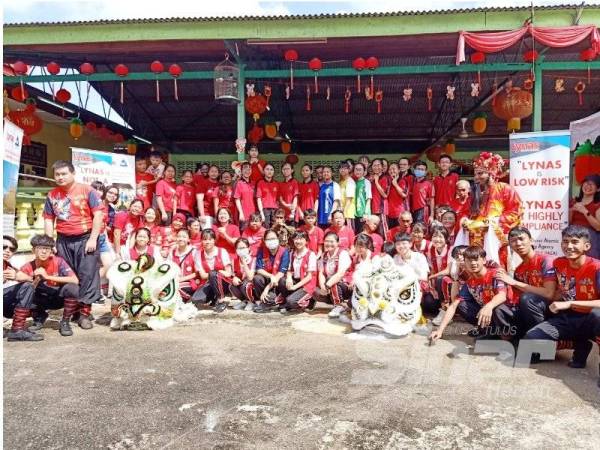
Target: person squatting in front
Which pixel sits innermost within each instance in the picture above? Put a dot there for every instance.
(272, 262)
(244, 268)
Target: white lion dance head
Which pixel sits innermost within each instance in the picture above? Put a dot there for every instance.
(146, 295)
(386, 296)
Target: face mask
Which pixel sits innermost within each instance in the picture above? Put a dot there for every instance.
(243, 252)
(419, 173)
(272, 244)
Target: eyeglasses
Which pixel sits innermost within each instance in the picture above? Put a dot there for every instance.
(10, 247)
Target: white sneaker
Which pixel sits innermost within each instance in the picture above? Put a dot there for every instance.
(249, 306)
(437, 320)
(336, 311)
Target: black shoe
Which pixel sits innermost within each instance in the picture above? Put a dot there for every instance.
(220, 307)
(24, 335)
(38, 321)
(576, 364)
(535, 358)
(64, 328)
(262, 308)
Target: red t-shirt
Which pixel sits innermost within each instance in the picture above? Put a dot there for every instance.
(346, 235)
(578, 284)
(224, 198)
(377, 242)
(167, 191)
(307, 195)
(287, 191)
(395, 203)
(461, 209)
(55, 266)
(535, 271)
(186, 198)
(245, 192)
(210, 187)
(483, 289)
(268, 192)
(580, 219)
(377, 203)
(127, 224)
(445, 188)
(232, 231)
(199, 182)
(315, 238)
(157, 234)
(422, 192)
(145, 176)
(255, 238)
(256, 174)
(73, 209)
(390, 236)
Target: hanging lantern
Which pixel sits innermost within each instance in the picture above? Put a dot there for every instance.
(256, 134)
(480, 123)
(588, 55)
(118, 137)
(63, 96)
(359, 64)
(19, 93)
(315, 65)
(103, 132)
(53, 68)
(131, 147)
(87, 69)
(434, 153)
(514, 105)
(76, 128)
(531, 56)
(478, 58)
(175, 71)
(157, 68)
(270, 130)
(286, 147)
(291, 159)
(291, 56)
(372, 63)
(226, 78)
(20, 69)
(450, 147)
(91, 127)
(28, 121)
(122, 70)
(256, 105)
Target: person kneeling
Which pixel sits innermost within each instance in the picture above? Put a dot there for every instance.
(296, 291)
(244, 265)
(47, 283)
(272, 262)
(334, 276)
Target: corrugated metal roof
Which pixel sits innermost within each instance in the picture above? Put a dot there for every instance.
(300, 16)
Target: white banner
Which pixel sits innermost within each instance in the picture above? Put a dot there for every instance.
(539, 172)
(13, 140)
(109, 168)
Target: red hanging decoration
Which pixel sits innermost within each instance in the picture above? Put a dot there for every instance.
(429, 98)
(347, 97)
(579, 88)
(19, 94)
(588, 55)
(478, 58)
(372, 64)
(53, 68)
(256, 134)
(157, 68)
(308, 105)
(122, 70)
(20, 69)
(87, 69)
(28, 121)
(531, 56)
(175, 72)
(256, 104)
(268, 92)
(91, 127)
(359, 64)
(291, 56)
(63, 96)
(378, 100)
(315, 65)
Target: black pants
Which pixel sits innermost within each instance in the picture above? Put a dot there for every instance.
(12, 301)
(45, 297)
(534, 310)
(214, 290)
(505, 318)
(339, 294)
(298, 299)
(243, 292)
(259, 284)
(419, 215)
(85, 265)
(358, 225)
(392, 222)
(430, 304)
(269, 213)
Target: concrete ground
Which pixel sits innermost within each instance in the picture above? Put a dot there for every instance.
(243, 380)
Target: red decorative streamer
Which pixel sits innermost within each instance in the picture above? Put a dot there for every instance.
(347, 97)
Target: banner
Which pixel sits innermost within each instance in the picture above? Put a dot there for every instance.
(13, 140)
(109, 168)
(539, 172)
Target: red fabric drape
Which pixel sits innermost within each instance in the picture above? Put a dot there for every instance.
(549, 36)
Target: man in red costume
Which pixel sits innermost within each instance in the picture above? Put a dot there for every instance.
(495, 206)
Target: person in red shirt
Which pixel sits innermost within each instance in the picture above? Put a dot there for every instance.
(423, 194)
(186, 195)
(339, 227)
(244, 194)
(371, 225)
(584, 210)
(418, 241)
(223, 196)
(244, 269)
(126, 222)
(288, 194)
(576, 314)
(144, 181)
(267, 192)
(195, 229)
(226, 232)
(461, 204)
(166, 198)
(308, 192)
(205, 196)
(407, 177)
(315, 233)
(379, 193)
(257, 165)
(483, 301)
(157, 232)
(254, 233)
(450, 224)
(444, 183)
(170, 232)
(397, 199)
(47, 282)
(404, 227)
(77, 211)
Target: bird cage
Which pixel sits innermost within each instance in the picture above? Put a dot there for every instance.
(226, 78)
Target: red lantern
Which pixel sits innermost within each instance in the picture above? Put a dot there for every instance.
(478, 58)
(286, 147)
(91, 127)
(291, 56)
(292, 159)
(30, 105)
(122, 70)
(256, 105)
(315, 65)
(53, 68)
(434, 153)
(531, 56)
(63, 96)
(175, 72)
(256, 134)
(589, 54)
(372, 63)
(20, 69)
(29, 122)
(359, 64)
(118, 137)
(19, 93)
(87, 69)
(157, 67)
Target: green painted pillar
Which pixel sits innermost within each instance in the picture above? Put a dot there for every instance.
(537, 95)
(241, 109)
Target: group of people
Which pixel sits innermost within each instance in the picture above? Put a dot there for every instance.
(285, 245)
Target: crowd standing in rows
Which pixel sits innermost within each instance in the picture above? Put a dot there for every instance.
(284, 245)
